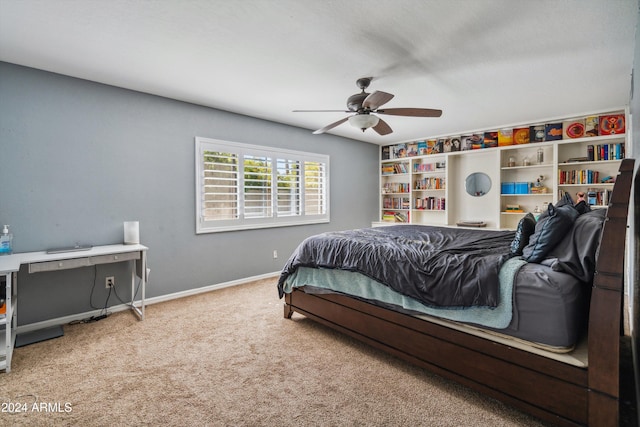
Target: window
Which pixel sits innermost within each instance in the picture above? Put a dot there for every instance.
(242, 186)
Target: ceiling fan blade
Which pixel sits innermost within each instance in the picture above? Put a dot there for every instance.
(376, 99)
(330, 126)
(413, 112)
(321, 111)
(382, 128)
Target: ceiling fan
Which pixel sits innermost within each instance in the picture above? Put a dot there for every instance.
(363, 104)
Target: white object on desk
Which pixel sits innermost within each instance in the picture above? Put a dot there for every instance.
(43, 261)
(131, 232)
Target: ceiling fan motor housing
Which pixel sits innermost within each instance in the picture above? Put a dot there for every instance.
(354, 102)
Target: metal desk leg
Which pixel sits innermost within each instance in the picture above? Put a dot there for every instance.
(140, 270)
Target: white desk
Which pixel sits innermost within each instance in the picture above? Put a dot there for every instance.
(42, 262)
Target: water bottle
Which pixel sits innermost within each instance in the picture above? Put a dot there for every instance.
(6, 240)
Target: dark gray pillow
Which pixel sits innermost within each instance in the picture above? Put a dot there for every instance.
(526, 227)
(576, 252)
(549, 231)
(565, 200)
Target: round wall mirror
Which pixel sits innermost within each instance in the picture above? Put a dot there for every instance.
(477, 184)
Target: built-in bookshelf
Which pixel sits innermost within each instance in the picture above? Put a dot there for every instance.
(529, 166)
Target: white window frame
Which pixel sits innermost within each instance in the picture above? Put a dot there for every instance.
(203, 225)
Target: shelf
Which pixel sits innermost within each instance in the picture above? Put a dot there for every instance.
(594, 184)
(590, 162)
(537, 166)
(527, 194)
(553, 168)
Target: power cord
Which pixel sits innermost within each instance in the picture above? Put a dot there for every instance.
(103, 310)
(129, 303)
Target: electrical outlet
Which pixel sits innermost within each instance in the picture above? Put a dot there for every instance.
(109, 282)
(275, 254)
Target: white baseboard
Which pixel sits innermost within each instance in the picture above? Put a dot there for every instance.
(148, 301)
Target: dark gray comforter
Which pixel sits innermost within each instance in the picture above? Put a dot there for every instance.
(438, 266)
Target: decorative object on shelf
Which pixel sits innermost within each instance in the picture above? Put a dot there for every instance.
(505, 137)
(522, 187)
(591, 126)
(526, 161)
(521, 136)
(537, 187)
(513, 209)
(512, 161)
(612, 124)
(573, 128)
(540, 156)
(536, 133)
(552, 131)
(477, 184)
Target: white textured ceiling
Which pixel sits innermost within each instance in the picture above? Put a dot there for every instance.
(485, 63)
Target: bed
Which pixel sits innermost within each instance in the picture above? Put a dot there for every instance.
(531, 317)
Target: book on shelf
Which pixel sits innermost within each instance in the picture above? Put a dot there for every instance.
(513, 209)
(388, 216)
(591, 126)
(428, 167)
(490, 139)
(422, 148)
(594, 196)
(573, 128)
(472, 142)
(392, 216)
(505, 137)
(430, 203)
(552, 131)
(577, 159)
(394, 168)
(395, 202)
(521, 136)
(612, 124)
(433, 147)
(536, 133)
(614, 151)
(578, 176)
(456, 143)
(399, 151)
(412, 149)
(431, 183)
(386, 152)
(400, 217)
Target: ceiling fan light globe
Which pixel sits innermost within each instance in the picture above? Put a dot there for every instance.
(363, 121)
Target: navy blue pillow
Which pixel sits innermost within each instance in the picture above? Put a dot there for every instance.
(526, 227)
(549, 231)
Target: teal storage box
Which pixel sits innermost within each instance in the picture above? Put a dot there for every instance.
(508, 188)
(521, 188)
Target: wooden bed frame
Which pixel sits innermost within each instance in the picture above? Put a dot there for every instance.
(546, 388)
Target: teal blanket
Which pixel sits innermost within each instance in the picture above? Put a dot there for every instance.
(359, 285)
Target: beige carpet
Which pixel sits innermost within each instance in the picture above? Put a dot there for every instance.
(227, 358)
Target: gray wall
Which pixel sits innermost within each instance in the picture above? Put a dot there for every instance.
(78, 158)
